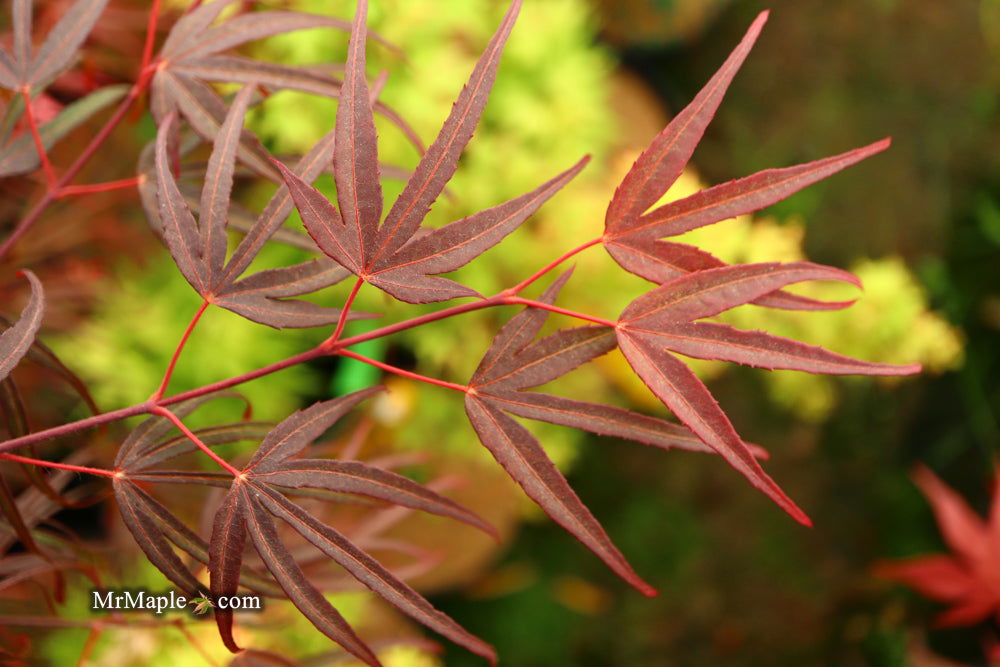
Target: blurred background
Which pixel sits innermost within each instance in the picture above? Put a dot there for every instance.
(740, 583)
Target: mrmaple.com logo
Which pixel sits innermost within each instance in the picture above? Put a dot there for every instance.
(141, 600)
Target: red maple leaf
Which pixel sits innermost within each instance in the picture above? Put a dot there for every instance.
(968, 578)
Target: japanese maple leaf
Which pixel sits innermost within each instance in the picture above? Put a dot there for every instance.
(968, 578)
(397, 255)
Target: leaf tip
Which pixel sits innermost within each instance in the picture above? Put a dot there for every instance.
(647, 590)
(800, 516)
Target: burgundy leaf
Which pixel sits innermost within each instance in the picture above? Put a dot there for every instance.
(205, 110)
(257, 297)
(216, 192)
(242, 221)
(149, 538)
(526, 462)
(180, 231)
(191, 543)
(631, 234)
(708, 293)
(17, 340)
(550, 358)
(689, 399)
(237, 69)
(292, 579)
(708, 340)
(8, 78)
(458, 243)
(282, 313)
(21, 11)
(362, 479)
(602, 420)
(355, 157)
(411, 287)
(369, 572)
(290, 280)
(308, 168)
(391, 256)
(190, 57)
(295, 432)
(250, 27)
(660, 164)
(60, 46)
(517, 334)
(189, 28)
(744, 195)
(324, 223)
(15, 521)
(13, 410)
(439, 162)
(225, 557)
(661, 261)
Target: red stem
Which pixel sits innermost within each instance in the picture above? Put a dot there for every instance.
(343, 314)
(50, 173)
(72, 190)
(73, 427)
(55, 186)
(404, 373)
(51, 195)
(411, 323)
(562, 311)
(61, 466)
(551, 265)
(163, 412)
(336, 347)
(147, 49)
(300, 358)
(177, 353)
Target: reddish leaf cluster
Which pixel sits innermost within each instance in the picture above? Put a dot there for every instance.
(968, 578)
(404, 259)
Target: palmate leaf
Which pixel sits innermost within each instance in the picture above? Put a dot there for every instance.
(154, 528)
(393, 255)
(192, 57)
(515, 363)
(17, 340)
(258, 495)
(632, 234)
(58, 50)
(199, 247)
(661, 322)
